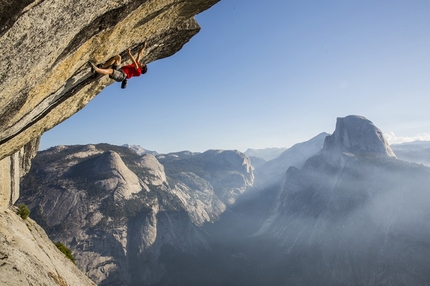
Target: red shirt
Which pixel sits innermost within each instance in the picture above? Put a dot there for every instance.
(130, 70)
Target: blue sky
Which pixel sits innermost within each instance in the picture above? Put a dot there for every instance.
(271, 74)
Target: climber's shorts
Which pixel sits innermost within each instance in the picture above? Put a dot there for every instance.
(118, 75)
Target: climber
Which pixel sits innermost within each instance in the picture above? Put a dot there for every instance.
(121, 74)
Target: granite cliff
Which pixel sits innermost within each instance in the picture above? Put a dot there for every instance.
(122, 213)
(45, 46)
(355, 136)
(351, 214)
(28, 257)
(354, 214)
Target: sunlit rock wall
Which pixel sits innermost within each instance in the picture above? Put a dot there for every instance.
(45, 46)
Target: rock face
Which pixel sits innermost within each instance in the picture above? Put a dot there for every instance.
(28, 257)
(12, 168)
(358, 136)
(353, 214)
(119, 178)
(122, 213)
(46, 46)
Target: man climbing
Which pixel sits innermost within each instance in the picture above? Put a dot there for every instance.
(122, 74)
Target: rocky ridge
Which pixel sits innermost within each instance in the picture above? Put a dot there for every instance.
(118, 211)
(352, 214)
(28, 257)
(416, 152)
(346, 216)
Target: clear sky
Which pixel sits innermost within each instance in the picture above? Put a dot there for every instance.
(271, 74)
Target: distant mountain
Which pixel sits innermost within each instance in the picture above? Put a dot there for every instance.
(119, 212)
(266, 154)
(417, 145)
(352, 215)
(416, 152)
(257, 162)
(139, 150)
(274, 171)
(341, 209)
(229, 172)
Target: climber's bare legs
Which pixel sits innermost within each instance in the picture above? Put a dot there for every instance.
(115, 60)
(98, 70)
(106, 68)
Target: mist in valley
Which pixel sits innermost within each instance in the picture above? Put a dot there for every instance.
(366, 223)
(340, 215)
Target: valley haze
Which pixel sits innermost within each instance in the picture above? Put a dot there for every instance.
(338, 209)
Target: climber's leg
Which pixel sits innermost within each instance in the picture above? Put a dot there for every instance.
(114, 72)
(98, 70)
(113, 62)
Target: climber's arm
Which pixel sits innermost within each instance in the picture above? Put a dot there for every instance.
(136, 66)
(139, 56)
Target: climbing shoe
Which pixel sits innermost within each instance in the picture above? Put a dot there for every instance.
(124, 84)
